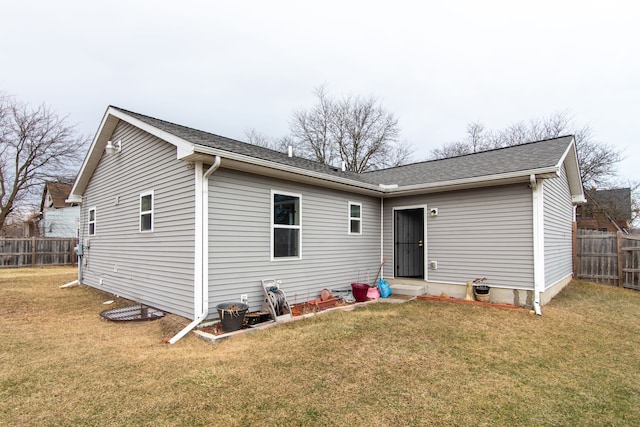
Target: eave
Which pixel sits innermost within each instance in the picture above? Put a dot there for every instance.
(281, 171)
(190, 152)
(474, 182)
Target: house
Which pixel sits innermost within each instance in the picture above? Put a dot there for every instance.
(606, 210)
(59, 217)
(182, 219)
(21, 224)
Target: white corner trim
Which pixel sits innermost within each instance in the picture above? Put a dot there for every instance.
(538, 239)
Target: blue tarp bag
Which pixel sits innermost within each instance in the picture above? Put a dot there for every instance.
(385, 289)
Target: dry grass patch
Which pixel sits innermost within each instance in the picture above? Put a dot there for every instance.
(412, 364)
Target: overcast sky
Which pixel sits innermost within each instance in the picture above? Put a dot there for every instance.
(228, 66)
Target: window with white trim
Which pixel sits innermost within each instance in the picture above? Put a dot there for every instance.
(286, 235)
(92, 222)
(355, 218)
(146, 211)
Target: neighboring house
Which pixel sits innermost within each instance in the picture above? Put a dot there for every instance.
(182, 219)
(606, 210)
(20, 228)
(59, 217)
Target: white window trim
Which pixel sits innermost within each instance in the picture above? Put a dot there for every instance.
(350, 218)
(89, 222)
(141, 212)
(296, 227)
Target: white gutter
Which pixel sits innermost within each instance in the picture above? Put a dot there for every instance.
(201, 258)
(463, 183)
(242, 158)
(538, 242)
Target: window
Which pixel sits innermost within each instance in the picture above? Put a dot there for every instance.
(146, 211)
(355, 218)
(286, 225)
(92, 221)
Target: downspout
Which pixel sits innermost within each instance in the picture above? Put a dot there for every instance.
(538, 243)
(381, 237)
(201, 259)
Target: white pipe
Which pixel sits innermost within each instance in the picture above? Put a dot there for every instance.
(201, 291)
(537, 223)
(214, 167)
(382, 237)
(68, 285)
(189, 327)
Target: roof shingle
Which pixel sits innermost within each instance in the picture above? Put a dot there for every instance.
(530, 156)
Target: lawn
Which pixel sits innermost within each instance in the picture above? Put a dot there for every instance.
(418, 363)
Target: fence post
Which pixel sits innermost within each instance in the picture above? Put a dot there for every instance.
(574, 233)
(620, 258)
(33, 251)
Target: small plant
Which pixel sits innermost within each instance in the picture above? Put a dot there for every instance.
(481, 290)
(478, 284)
(233, 310)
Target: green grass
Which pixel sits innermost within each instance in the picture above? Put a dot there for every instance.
(419, 363)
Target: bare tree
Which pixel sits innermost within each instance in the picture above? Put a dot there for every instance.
(452, 149)
(313, 132)
(357, 131)
(597, 160)
(35, 145)
(477, 139)
(256, 137)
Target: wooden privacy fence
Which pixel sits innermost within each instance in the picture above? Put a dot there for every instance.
(608, 258)
(24, 252)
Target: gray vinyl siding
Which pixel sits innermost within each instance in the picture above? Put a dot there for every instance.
(558, 229)
(156, 268)
(486, 232)
(239, 240)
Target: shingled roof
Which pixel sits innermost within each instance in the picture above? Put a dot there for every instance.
(233, 146)
(58, 191)
(530, 156)
(616, 201)
(542, 159)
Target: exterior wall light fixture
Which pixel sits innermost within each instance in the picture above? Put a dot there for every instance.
(112, 148)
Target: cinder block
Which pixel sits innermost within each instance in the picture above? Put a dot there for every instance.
(402, 289)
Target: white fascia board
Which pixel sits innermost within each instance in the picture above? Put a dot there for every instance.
(386, 190)
(108, 124)
(73, 199)
(182, 145)
(281, 170)
(570, 160)
(480, 181)
(578, 200)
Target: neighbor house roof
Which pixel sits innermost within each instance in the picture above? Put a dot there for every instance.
(542, 159)
(616, 202)
(58, 191)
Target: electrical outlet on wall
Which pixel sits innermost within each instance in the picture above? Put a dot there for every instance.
(244, 298)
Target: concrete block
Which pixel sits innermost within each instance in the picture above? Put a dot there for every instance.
(403, 289)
